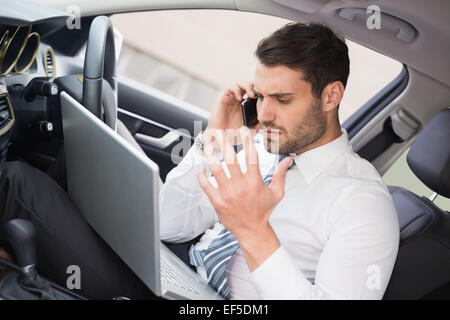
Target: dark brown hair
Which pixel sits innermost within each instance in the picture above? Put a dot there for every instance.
(313, 49)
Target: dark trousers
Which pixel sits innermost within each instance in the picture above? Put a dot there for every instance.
(63, 236)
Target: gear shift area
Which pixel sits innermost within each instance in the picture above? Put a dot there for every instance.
(25, 283)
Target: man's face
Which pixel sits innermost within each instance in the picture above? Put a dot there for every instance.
(286, 103)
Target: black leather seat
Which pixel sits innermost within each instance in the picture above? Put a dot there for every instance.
(422, 268)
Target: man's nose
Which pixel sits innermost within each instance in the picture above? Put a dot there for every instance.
(266, 111)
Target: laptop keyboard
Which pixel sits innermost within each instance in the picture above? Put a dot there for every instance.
(169, 275)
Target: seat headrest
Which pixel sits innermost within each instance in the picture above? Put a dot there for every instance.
(429, 156)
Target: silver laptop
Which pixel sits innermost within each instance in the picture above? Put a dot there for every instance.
(116, 189)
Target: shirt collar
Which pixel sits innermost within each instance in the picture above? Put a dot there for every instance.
(312, 162)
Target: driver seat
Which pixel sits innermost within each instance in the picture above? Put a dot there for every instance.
(121, 129)
(422, 268)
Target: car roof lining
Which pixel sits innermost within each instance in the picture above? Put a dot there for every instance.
(427, 52)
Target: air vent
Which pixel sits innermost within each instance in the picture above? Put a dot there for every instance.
(49, 63)
(6, 114)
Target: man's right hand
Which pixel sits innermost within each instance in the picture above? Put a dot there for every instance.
(227, 112)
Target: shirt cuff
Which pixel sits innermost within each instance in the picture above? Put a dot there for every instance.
(277, 278)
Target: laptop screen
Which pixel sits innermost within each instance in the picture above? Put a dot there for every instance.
(115, 187)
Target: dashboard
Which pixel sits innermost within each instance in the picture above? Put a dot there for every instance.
(19, 47)
(33, 39)
(27, 92)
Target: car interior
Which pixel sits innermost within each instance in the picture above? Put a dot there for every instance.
(40, 57)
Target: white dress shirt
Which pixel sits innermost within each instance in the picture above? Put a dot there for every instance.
(337, 226)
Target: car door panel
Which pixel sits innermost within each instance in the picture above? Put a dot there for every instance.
(158, 124)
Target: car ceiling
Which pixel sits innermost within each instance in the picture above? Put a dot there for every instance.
(427, 51)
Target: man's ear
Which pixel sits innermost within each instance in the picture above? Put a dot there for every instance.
(332, 95)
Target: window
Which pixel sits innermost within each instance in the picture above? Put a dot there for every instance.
(399, 174)
(194, 54)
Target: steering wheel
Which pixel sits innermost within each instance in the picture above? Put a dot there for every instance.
(99, 73)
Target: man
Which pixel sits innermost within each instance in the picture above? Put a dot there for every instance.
(306, 218)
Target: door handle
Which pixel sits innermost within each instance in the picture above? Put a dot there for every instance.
(404, 31)
(161, 143)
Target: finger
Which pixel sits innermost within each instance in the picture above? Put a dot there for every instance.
(229, 155)
(212, 193)
(238, 92)
(279, 177)
(215, 166)
(248, 88)
(229, 93)
(251, 155)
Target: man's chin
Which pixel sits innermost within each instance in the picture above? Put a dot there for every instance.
(272, 145)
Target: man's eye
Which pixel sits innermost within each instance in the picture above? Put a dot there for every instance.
(284, 101)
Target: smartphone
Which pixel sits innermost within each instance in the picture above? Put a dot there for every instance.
(249, 113)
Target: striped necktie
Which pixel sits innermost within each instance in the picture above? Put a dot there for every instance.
(214, 259)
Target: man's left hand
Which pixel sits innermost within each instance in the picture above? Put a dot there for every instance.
(243, 201)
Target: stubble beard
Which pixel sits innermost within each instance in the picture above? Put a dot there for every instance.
(311, 129)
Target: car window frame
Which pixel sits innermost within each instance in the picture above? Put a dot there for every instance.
(376, 104)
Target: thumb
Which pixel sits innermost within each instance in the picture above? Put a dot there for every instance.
(279, 176)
